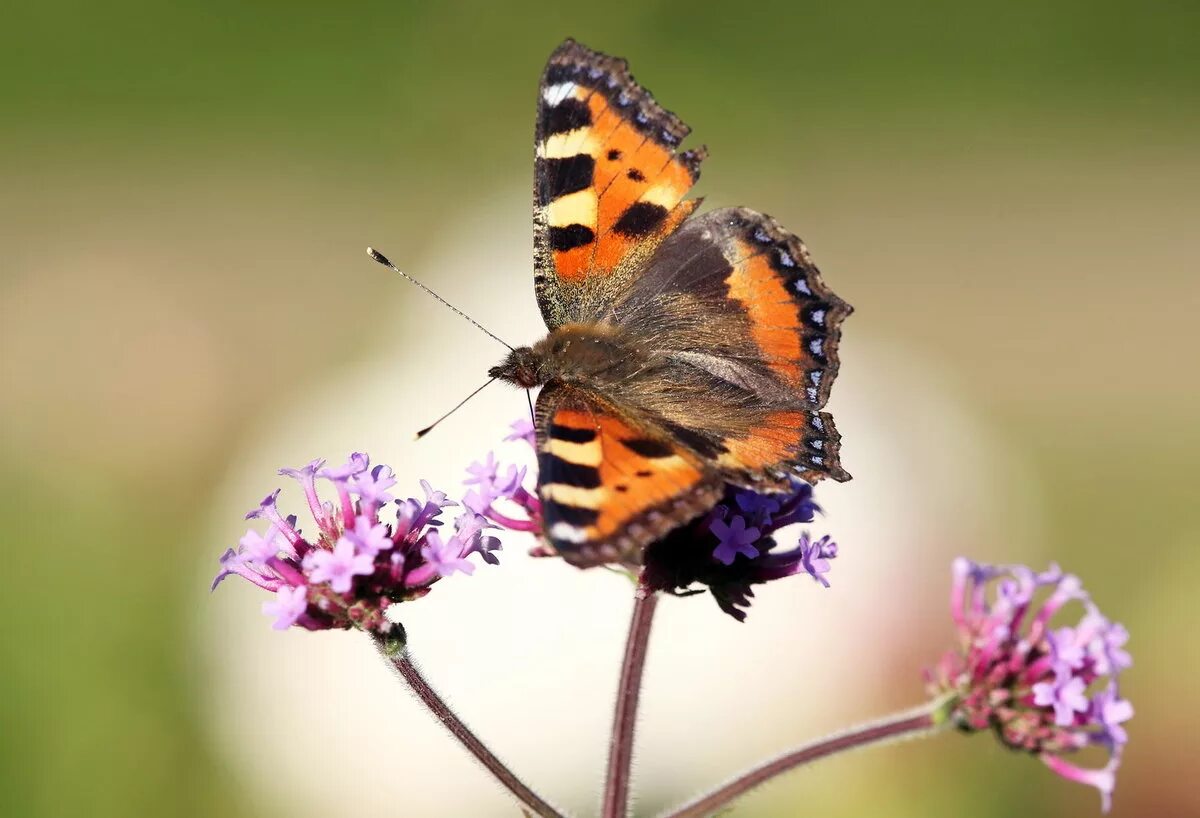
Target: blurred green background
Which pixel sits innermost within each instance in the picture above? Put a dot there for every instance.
(1010, 190)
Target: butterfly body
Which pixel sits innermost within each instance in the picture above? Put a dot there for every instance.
(685, 352)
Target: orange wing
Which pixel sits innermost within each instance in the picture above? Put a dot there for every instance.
(737, 302)
(609, 485)
(609, 181)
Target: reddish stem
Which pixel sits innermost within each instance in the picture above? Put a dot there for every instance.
(620, 747)
(397, 657)
(901, 725)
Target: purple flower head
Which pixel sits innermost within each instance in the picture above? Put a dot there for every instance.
(730, 552)
(499, 492)
(1049, 691)
(358, 562)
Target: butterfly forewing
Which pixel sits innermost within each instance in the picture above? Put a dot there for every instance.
(609, 181)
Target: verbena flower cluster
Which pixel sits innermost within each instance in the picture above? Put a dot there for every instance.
(736, 546)
(729, 549)
(364, 552)
(1050, 691)
(1047, 689)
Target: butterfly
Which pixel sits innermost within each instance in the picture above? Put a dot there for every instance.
(686, 351)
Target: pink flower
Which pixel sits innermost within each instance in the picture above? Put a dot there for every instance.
(289, 605)
(356, 564)
(372, 487)
(1050, 692)
(1065, 694)
(257, 547)
(339, 566)
(369, 539)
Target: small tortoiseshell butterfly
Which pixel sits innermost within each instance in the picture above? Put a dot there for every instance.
(685, 352)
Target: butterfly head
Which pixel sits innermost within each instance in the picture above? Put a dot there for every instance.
(522, 366)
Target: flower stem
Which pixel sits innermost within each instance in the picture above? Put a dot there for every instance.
(396, 654)
(620, 746)
(909, 724)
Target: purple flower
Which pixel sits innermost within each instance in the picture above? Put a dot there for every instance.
(1112, 712)
(354, 466)
(1042, 690)
(1103, 779)
(815, 557)
(482, 473)
(446, 556)
(433, 497)
(255, 547)
(1065, 694)
(733, 538)
(495, 484)
(1066, 647)
(341, 477)
(339, 566)
(306, 476)
(523, 430)
(369, 539)
(469, 529)
(1108, 652)
(356, 564)
(758, 508)
(705, 551)
(372, 487)
(265, 507)
(289, 605)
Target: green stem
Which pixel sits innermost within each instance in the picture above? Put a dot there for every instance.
(924, 720)
(395, 652)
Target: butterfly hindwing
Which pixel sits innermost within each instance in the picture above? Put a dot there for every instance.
(610, 485)
(609, 181)
(734, 297)
(743, 270)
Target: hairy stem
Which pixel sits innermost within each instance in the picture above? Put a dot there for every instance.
(620, 746)
(396, 654)
(909, 724)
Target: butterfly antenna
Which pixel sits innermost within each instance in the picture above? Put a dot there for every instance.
(429, 428)
(382, 259)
